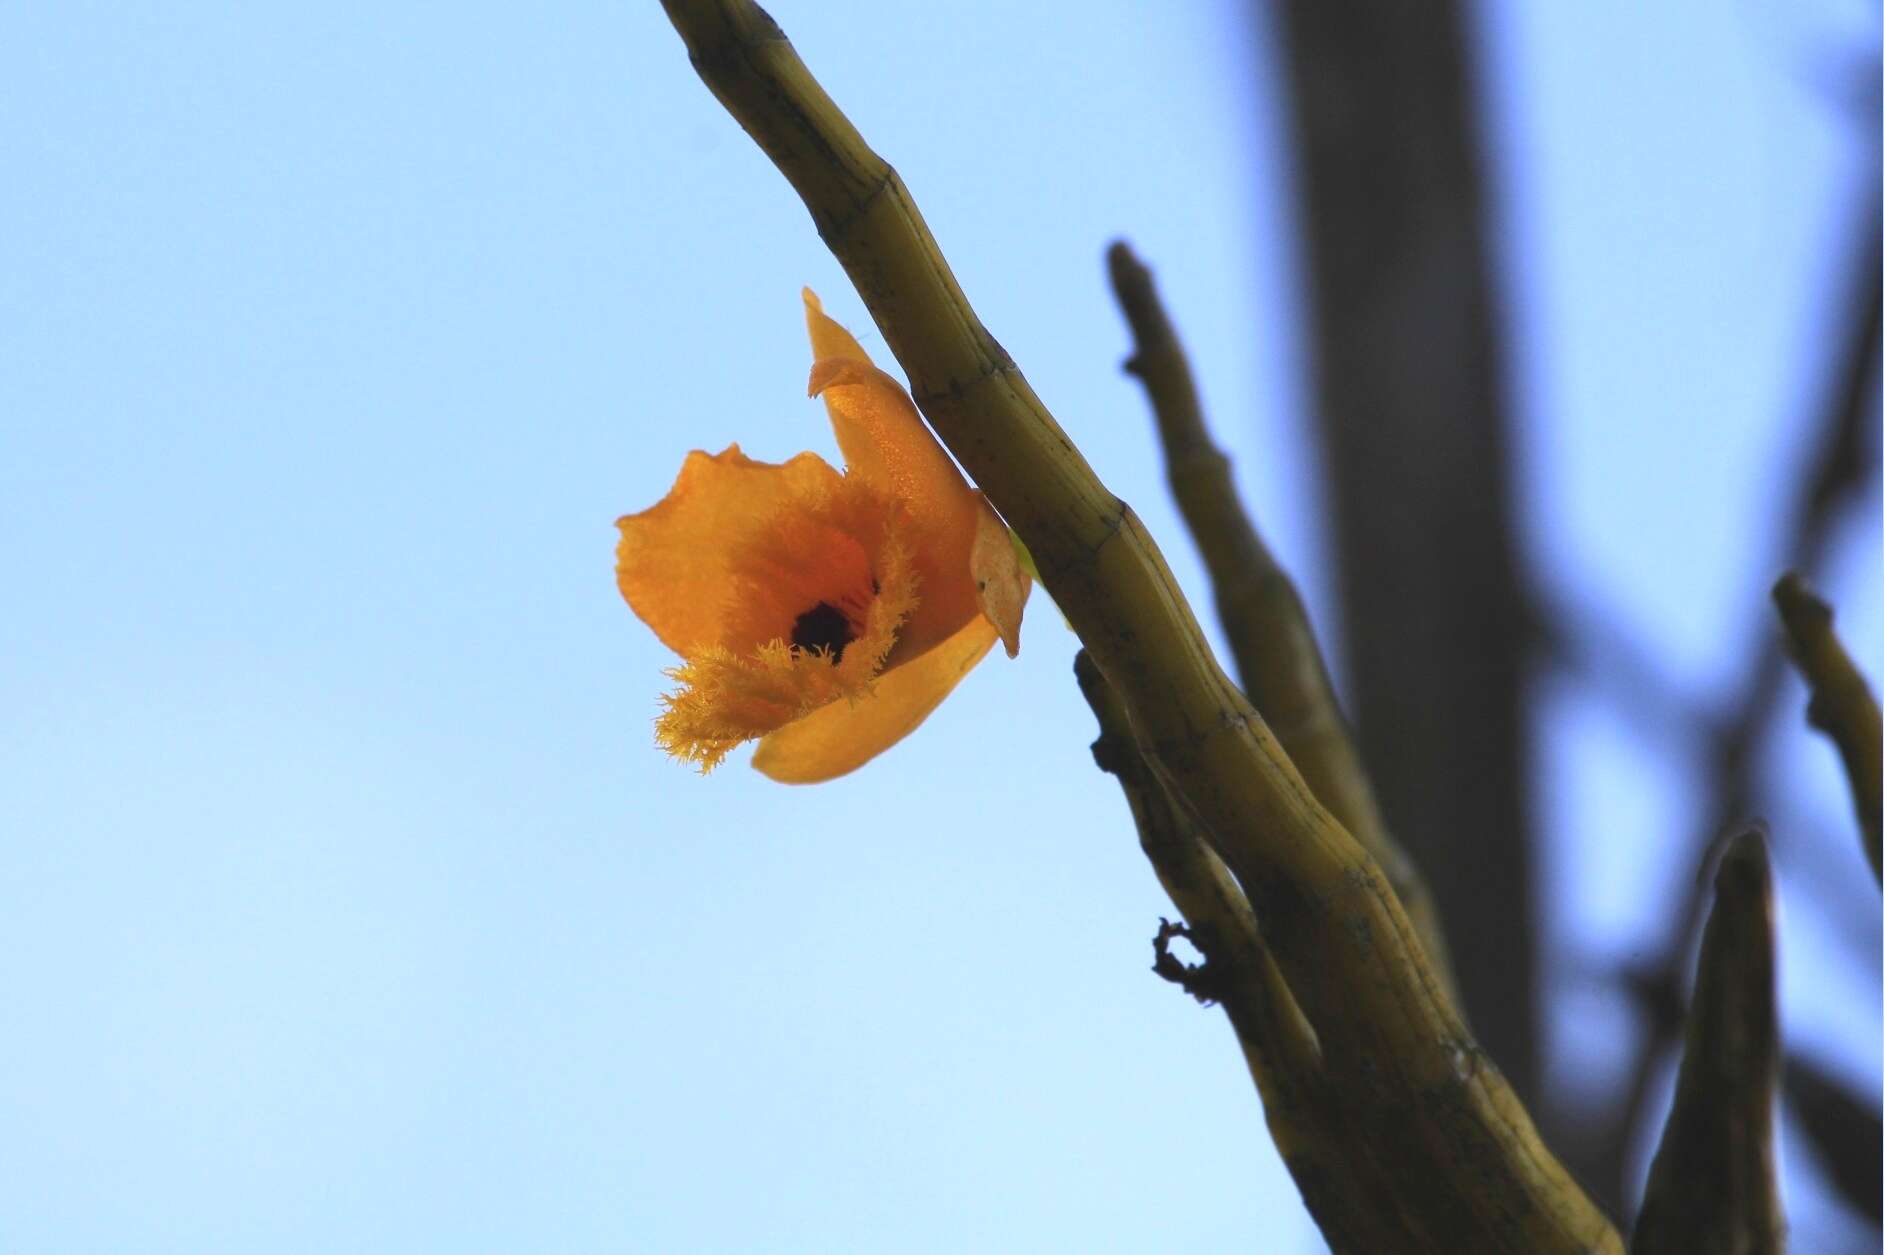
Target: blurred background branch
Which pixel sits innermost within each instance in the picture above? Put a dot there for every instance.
(1838, 471)
(1842, 704)
(1441, 625)
(1714, 1186)
(1412, 421)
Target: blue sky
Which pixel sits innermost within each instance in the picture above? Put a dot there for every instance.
(344, 899)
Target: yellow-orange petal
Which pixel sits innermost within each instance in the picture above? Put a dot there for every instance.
(821, 555)
(675, 561)
(726, 698)
(1001, 585)
(843, 736)
(829, 338)
(885, 442)
(881, 434)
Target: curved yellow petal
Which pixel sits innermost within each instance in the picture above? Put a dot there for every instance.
(828, 336)
(676, 561)
(843, 736)
(885, 442)
(878, 428)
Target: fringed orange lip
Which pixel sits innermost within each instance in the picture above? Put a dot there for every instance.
(823, 614)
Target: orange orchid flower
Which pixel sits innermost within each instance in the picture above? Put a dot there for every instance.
(823, 614)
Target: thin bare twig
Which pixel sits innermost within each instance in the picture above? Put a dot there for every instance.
(1842, 705)
(1263, 619)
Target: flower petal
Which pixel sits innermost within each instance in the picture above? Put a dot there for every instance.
(885, 442)
(878, 429)
(675, 561)
(726, 698)
(828, 337)
(843, 736)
